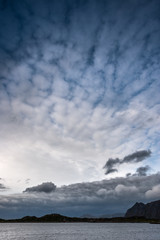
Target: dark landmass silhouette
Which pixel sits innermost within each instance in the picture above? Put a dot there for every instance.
(139, 213)
(149, 211)
(57, 218)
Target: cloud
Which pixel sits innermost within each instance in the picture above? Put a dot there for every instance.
(125, 190)
(46, 187)
(154, 193)
(132, 158)
(137, 156)
(99, 197)
(142, 171)
(110, 164)
(27, 180)
(79, 81)
(2, 187)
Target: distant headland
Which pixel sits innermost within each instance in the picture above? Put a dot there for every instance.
(149, 211)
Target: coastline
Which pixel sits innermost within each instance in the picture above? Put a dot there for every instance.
(57, 218)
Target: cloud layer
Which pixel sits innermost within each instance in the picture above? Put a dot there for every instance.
(96, 198)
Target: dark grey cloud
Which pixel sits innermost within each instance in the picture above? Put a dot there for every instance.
(142, 171)
(128, 174)
(2, 187)
(46, 187)
(110, 164)
(96, 198)
(135, 157)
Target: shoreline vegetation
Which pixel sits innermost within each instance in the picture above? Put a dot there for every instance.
(57, 218)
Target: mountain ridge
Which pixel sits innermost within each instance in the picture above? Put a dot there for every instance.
(149, 211)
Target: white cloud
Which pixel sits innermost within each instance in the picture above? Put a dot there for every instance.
(154, 193)
(122, 190)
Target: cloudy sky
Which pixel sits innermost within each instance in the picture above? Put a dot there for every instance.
(79, 106)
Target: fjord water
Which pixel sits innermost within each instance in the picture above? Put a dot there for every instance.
(79, 231)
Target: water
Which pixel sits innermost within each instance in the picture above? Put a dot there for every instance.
(79, 231)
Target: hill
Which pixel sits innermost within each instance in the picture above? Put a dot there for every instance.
(149, 211)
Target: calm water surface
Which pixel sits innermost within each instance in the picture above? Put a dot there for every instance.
(79, 231)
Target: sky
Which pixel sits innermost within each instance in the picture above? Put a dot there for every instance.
(79, 106)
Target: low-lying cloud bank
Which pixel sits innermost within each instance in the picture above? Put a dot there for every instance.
(97, 198)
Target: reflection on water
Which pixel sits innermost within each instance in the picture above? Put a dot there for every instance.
(79, 231)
